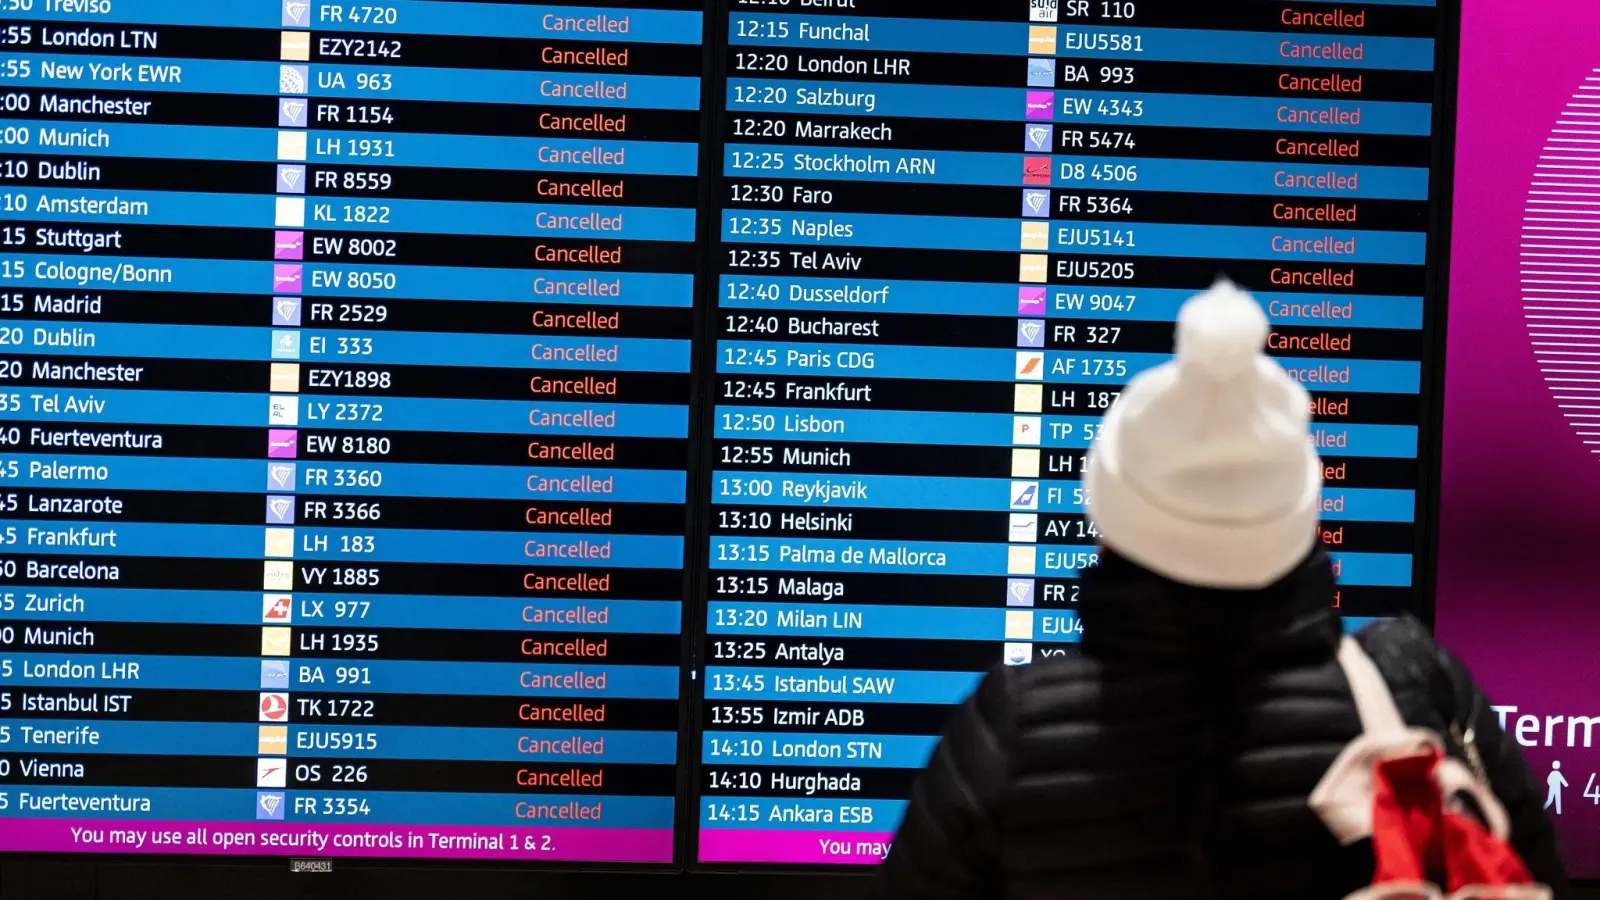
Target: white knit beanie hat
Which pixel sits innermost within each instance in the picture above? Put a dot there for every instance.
(1203, 471)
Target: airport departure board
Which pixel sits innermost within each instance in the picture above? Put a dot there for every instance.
(346, 358)
(949, 233)
(617, 433)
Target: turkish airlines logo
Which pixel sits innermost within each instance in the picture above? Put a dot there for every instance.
(274, 707)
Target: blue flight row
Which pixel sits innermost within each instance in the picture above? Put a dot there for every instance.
(375, 480)
(933, 429)
(155, 408)
(996, 559)
(390, 82)
(1108, 238)
(328, 804)
(456, 217)
(1018, 39)
(133, 342)
(545, 743)
(375, 545)
(1353, 116)
(578, 678)
(458, 151)
(204, 277)
(1120, 173)
(536, 614)
(829, 491)
(946, 298)
(1055, 366)
(410, 17)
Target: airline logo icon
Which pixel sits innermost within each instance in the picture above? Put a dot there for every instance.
(277, 609)
(1019, 625)
(295, 46)
(275, 641)
(291, 179)
(272, 773)
(1041, 73)
(274, 707)
(282, 443)
(296, 13)
(280, 476)
(286, 311)
(283, 410)
(1024, 495)
(1027, 430)
(285, 378)
(287, 278)
(1018, 654)
(1033, 268)
(279, 542)
(280, 510)
(273, 740)
(1025, 463)
(292, 146)
(1035, 205)
(1019, 591)
(1038, 138)
(1036, 170)
(1043, 10)
(289, 245)
(274, 675)
(286, 345)
(292, 112)
(1024, 530)
(277, 575)
(290, 212)
(1041, 105)
(1030, 366)
(1029, 398)
(1030, 301)
(294, 79)
(270, 807)
(1041, 40)
(1035, 236)
(1030, 332)
(1022, 560)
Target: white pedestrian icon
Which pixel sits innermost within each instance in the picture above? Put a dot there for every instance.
(1556, 781)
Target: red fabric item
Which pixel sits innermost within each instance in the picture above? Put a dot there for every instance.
(1416, 839)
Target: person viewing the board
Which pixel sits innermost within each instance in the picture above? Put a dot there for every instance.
(1218, 737)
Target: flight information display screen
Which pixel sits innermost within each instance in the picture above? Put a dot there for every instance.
(618, 433)
(948, 234)
(346, 360)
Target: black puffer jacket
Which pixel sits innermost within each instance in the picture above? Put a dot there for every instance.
(1172, 759)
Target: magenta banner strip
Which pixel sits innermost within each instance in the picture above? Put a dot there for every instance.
(635, 845)
(794, 847)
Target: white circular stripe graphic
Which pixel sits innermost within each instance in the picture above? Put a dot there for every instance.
(1560, 257)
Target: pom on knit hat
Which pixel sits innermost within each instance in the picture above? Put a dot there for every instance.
(1221, 332)
(1202, 471)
